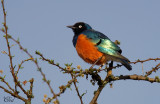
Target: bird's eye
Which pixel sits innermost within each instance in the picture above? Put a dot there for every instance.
(80, 26)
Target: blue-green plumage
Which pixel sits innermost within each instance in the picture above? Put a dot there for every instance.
(102, 42)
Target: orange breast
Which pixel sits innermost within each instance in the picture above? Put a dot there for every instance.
(87, 50)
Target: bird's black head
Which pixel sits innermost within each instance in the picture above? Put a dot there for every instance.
(79, 27)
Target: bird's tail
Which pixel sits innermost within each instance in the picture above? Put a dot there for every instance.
(123, 60)
(126, 63)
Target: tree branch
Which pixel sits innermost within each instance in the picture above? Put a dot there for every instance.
(38, 67)
(100, 88)
(153, 70)
(136, 77)
(141, 61)
(13, 94)
(2, 79)
(80, 97)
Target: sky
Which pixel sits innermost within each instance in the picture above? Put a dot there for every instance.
(41, 25)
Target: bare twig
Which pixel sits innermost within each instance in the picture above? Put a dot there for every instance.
(136, 77)
(38, 67)
(14, 94)
(141, 61)
(50, 61)
(153, 70)
(9, 52)
(31, 89)
(20, 65)
(80, 97)
(31, 57)
(2, 79)
(8, 46)
(142, 69)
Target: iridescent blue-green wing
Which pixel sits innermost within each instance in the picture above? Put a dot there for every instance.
(108, 47)
(102, 41)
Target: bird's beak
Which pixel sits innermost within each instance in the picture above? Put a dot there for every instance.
(72, 27)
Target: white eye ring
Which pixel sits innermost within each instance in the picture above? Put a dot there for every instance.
(80, 26)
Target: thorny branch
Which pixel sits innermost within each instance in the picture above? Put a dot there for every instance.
(29, 95)
(80, 97)
(13, 94)
(38, 67)
(3, 80)
(136, 77)
(16, 82)
(109, 77)
(141, 61)
(153, 70)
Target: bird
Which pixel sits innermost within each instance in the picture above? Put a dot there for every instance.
(94, 47)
